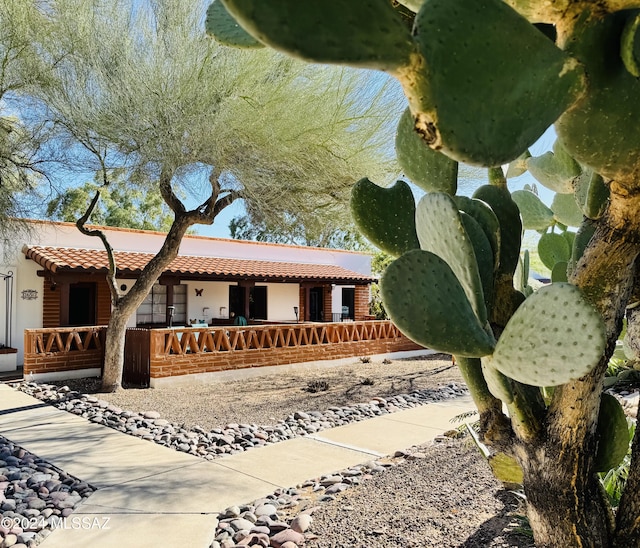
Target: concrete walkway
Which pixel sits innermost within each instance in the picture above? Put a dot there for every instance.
(155, 496)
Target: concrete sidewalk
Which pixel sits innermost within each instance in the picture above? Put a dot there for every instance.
(155, 496)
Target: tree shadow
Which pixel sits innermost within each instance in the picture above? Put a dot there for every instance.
(502, 526)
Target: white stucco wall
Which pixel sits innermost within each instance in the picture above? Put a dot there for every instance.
(214, 296)
(281, 298)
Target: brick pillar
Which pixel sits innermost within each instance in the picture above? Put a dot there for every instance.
(361, 304)
(327, 301)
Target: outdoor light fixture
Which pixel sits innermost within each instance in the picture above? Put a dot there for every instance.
(295, 311)
(171, 310)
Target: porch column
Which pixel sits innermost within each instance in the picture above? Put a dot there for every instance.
(361, 303)
(305, 299)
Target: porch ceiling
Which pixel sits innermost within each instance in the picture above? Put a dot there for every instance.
(64, 259)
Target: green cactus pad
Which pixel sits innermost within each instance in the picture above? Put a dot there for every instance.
(521, 276)
(535, 215)
(506, 470)
(518, 166)
(497, 383)
(487, 109)
(554, 337)
(559, 272)
(441, 231)
(591, 194)
(582, 239)
(484, 256)
(426, 301)
(431, 170)
(499, 200)
(386, 216)
(612, 433)
(552, 249)
(225, 29)
(570, 237)
(601, 130)
(565, 210)
(555, 170)
(630, 45)
(486, 218)
(367, 34)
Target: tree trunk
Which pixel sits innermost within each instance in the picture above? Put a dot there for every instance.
(114, 349)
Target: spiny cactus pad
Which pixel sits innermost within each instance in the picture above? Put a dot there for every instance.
(367, 34)
(225, 29)
(487, 109)
(612, 433)
(486, 218)
(386, 216)
(553, 248)
(591, 194)
(431, 170)
(535, 215)
(441, 231)
(554, 337)
(498, 384)
(565, 210)
(508, 215)
(555, 170)
(426, 301)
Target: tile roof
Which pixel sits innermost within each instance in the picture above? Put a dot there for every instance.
(64, 259)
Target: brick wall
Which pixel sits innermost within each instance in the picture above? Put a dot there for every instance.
(327, 303)
(163, 365)
(103, 304)
(50, 305)
(36, 361)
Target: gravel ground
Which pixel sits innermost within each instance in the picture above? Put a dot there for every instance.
(440, 495)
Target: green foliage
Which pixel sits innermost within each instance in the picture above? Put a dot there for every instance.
(119, 205)
(535, 215)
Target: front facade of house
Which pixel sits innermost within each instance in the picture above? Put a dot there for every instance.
(54, 276)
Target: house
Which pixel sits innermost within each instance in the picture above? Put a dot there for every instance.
(54, 277)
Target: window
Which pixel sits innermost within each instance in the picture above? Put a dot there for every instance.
(153, 309)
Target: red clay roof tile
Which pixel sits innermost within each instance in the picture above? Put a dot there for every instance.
(63, 259)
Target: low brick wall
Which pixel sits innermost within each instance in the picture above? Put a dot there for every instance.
(208, 350)
(56, 350)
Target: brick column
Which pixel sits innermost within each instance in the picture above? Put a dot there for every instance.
(327, 301)
(361, 304)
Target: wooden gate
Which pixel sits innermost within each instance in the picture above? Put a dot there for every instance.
(137, 373)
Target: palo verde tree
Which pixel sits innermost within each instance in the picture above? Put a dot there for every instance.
(140, 91)
(484, 79)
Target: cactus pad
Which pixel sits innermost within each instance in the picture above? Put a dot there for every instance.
(612, 433)
(559, 272)
(507, 470)
(484, 256)
(426, 301)
(225, 29)
(429, 169)
(441, 231)
(630, 45)
(518, 166)
(591, 194)
(386, 216)
(601, 131)
(487, 109)
(497, 383)
(555, 170)
(486, 218)
(565, 210)
(535, 215)
(508, 215)
(552, 249)
(554, 337)
(367, 34)
(582, 239)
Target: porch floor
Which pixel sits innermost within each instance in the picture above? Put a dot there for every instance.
(138, 487)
